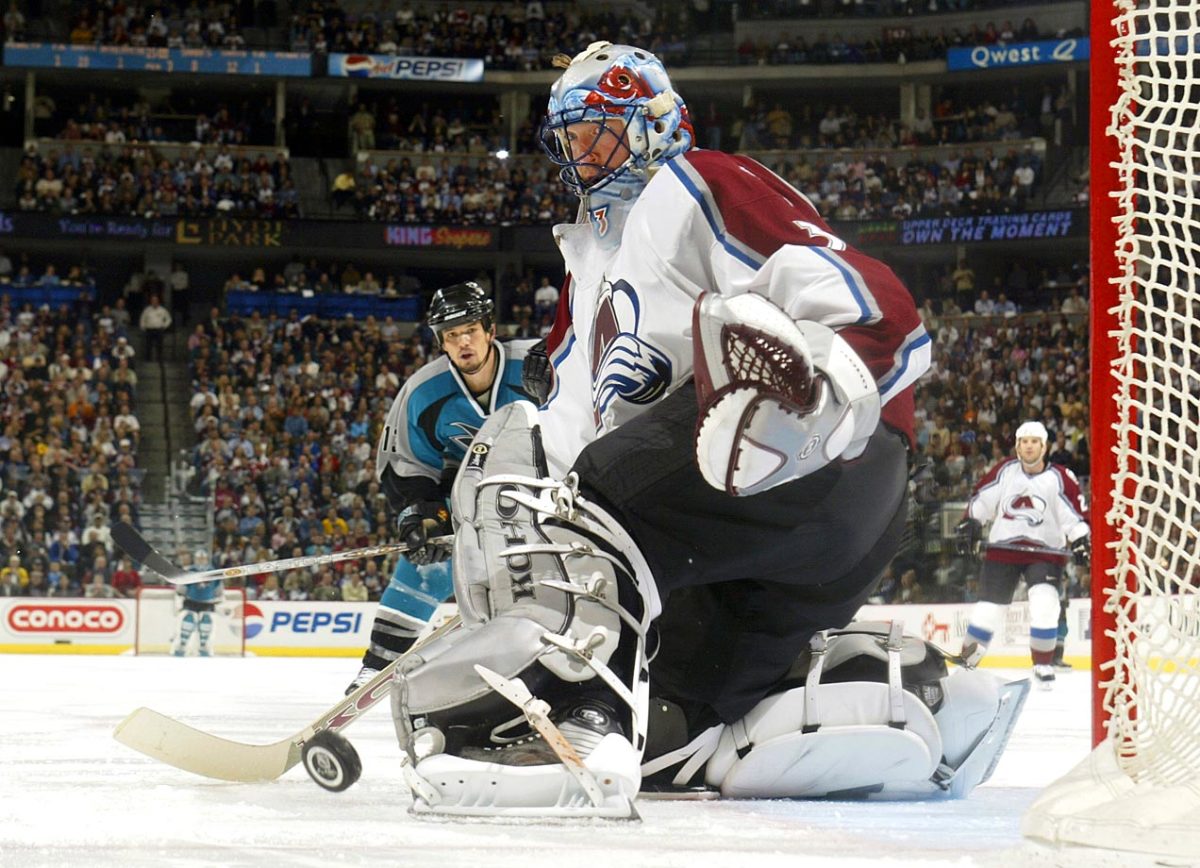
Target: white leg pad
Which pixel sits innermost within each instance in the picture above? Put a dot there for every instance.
(854, 748)
(466, 787)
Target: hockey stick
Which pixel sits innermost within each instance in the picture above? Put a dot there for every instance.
(134, 544)
(177, 744)
(1027, 547)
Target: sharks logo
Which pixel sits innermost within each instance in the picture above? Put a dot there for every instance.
(624, 365)
(1026, 507)
(463, 440)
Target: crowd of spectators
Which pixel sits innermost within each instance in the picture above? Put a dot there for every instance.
(184, 118)
(777, 124)
(444, 188)
(775, 9)
(993, 368)
(848, 164)
(512, 36)
(869, 187)
(69, 436)
(476, 128)
(525, 36)
(192, 24)
(134, 180)
(897, 46)
(286, 412)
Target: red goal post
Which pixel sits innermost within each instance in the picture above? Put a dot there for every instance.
(1137, 790)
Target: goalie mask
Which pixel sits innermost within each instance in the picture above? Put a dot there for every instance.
(640, 122)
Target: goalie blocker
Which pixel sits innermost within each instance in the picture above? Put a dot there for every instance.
(540, 705)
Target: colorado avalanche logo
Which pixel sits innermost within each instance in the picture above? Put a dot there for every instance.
(1026, 507)
(624, 366)
(617, 83)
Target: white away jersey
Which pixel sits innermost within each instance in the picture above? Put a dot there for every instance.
(710, 221)
(1039, 510)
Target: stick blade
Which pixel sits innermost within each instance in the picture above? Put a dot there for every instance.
(128, 540)
(179, 745)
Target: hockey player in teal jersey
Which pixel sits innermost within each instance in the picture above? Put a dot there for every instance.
(199, 602)
(431, 422)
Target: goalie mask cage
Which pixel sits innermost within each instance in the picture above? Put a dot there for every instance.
(1140, 788)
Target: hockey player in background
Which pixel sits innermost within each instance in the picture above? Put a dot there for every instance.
(1036, 511)
(432, 419)
(199, 602)
(723, 453)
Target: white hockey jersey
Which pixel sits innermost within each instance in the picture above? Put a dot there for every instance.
(709, 221)
(1028, 512)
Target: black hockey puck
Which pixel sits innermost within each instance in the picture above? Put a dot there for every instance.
(331, 761)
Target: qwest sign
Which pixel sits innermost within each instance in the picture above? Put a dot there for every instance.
(1018, 54)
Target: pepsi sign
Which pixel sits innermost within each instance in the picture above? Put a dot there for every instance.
(387, 66)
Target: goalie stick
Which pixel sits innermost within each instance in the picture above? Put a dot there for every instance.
(184, 747)
(130, 541)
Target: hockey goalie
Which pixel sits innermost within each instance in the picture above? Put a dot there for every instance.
(714, 480)
(544, 703)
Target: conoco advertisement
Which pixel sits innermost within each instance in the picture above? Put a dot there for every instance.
(73, 622)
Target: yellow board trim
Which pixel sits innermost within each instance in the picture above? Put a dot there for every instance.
(65, 648)
(251, 651)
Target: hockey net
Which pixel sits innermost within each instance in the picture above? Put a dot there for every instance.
(157, 623)
(1140, 789)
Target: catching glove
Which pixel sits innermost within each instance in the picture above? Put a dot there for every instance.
(1081, 549)
(536, 372)
(418, 524)
(968, 535)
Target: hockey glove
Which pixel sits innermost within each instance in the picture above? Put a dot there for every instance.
(420, 522)
(1081, 549)
(537, 373)
(967, 536)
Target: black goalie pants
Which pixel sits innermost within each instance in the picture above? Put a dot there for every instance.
(745, 581)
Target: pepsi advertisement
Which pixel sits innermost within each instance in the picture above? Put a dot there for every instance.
(393, 68)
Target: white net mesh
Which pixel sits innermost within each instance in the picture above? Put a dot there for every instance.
(1140, 789)
(1153, 698)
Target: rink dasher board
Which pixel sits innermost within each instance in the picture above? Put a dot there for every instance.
(312, 629)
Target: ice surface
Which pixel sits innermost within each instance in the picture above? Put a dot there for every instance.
(70, 795)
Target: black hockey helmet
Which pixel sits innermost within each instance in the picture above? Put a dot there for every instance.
(459, 304)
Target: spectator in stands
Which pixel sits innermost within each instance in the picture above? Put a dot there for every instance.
(179, 282)
(1074, 303)
(14, 576)
(354, 590)
(126, 580)
(154, 322)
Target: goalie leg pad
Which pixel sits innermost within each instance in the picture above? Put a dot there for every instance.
(556, 601)
(187, 626)
(205, 628)
(858, 729)
(768, 754)
(778, 399)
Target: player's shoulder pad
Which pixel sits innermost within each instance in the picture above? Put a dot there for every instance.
(515, 349)
(996, 470)
(428, 371)
(747, 203)
(1064, 471)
